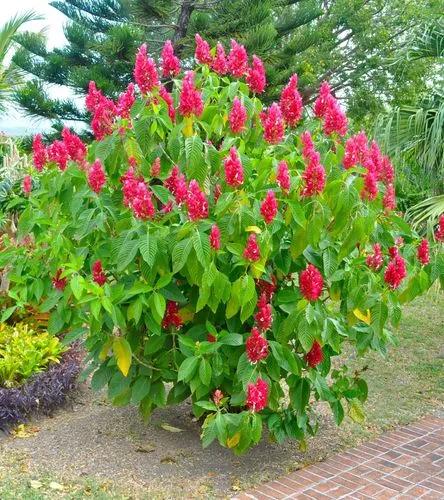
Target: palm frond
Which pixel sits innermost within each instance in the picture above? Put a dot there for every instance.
(424, 215)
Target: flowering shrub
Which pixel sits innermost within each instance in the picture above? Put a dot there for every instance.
(219, 250)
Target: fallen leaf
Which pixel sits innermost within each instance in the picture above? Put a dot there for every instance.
(145, 449)
(170, 428)
(35, 484)
(56, 486)
(24, 431)
(168, 460)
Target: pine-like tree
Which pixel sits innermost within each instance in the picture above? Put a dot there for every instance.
(348, 42)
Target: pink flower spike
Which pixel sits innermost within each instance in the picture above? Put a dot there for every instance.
(423, 252)
(98, 275)
(74, 145)
(237, 60)
(220, 63)
(215, 242)
(311, 283)
(395, 272)
(145, 71)
(256, 79)
(40, 153)
(291, 102)
(170, 63)
(257, 395)
(315, 355)
(269, 207)
(96, 177)
(27, 184)
(126, 101)
(234, 173)
(197, 203)
(256, 346)
(273, 124)
(283, 176)
(237, 116)
(202, 52)
(252, 251)
(58, 154)
(190, 101)
(439, 233)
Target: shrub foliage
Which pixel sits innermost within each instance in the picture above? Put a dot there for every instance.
(219, 250)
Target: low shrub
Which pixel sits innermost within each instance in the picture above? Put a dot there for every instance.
(215, 249)
(25, 352)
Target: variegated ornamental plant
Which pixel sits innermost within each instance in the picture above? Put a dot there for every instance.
(214, 249)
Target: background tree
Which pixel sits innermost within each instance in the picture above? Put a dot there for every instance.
(348, 42)
(414, 134)
(10, 74)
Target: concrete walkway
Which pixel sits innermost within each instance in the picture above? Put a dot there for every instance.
(407, 463)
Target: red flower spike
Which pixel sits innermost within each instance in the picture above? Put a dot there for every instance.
(252, 251)
(58, 154)
(291, 102)
(395, 272)
(202, 52)
(389, 200)
(142, 203)
(266, 288)
(74, 146)
(264, 316)
(58, 282)
(93, 98)
(217, 192)
(27, 184)
(256, 79)
(237, 60)
(197, 203)
(370, 188)
(171, 317)
(356, 150)
(40, 153)
(215, 243)
(168, 99)
(315, 355)
(256, 346)
(126, 101)
(376, 260)
(211, 337)
(273, 124)
(218, 395)
(96, 177)
(237, 116)
(155, 168)
(283, 176)
(321, 102)
(220, 63)
(311, 283)
(269, 207)
(177, 185)
(234, 173)
(170, 63)
(257, 395)
(439, 233)
(98, 275)
(423, 252)
(314, 179)
(145, 71)
(190, 101)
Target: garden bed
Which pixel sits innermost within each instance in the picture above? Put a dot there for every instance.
(42, 393)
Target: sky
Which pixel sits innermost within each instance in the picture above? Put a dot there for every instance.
(14, 122)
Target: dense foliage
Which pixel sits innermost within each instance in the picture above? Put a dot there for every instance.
(350, 43)
(217, 249)
(24, 352)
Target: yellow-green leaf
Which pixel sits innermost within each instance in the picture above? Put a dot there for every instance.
(366, 318)
(233, 440)
(122, 351)
(356, 412)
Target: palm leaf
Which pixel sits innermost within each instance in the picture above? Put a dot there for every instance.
(424, 215)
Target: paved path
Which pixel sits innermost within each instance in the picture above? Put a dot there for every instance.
(407, 463)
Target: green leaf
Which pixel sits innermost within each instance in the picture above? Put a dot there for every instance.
(180, 254)
(159, 304)
(196, 166)
(123, 354)
(76, 283)
(356, 411)
(127, 252)
(205, 372)
(201, 247)
(140, 389)
(305, 334)
(234, 339)
(187, 369)
(300, 394)
(148, 248)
